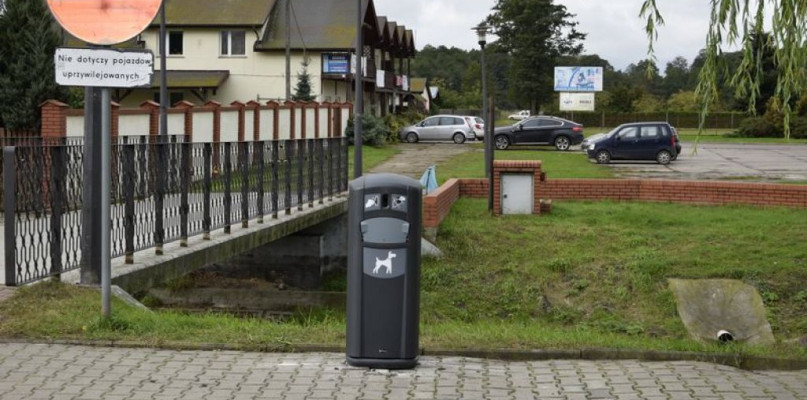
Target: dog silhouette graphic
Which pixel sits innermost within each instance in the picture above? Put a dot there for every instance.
(387, 263)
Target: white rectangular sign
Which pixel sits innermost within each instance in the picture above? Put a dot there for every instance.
(104, 67)
(578, 79)
(576, 101)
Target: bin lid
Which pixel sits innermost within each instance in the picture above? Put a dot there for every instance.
(383, 180)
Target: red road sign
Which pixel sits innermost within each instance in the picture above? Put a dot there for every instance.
(104, 22)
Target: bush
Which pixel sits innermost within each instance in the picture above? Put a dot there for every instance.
(374, 131)
(798, 127)
(396, 122)
(757, 127)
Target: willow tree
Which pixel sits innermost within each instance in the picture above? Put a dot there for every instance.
(743, 21)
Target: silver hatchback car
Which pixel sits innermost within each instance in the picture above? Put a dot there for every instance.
(439, 127)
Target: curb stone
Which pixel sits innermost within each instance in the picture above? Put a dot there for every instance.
(740, 361)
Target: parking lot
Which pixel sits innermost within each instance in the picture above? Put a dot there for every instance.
(752, 162)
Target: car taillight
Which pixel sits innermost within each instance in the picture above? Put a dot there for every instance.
(577, 129)
(478, 126)
(672, 140)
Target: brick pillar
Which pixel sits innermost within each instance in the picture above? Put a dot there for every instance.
(216, 107)
(154, 116)
(292, 118)
(115, 121)
(54, 120)
(275, 108)
(316, 120)
(520, 167)
(187, 107)
(256, 119)
(303, 117)
(329, 129)
(241, 118)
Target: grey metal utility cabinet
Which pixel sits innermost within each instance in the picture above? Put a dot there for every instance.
(383, 277)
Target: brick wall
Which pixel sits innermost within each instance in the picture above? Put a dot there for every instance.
(437, 205)
(673, 191)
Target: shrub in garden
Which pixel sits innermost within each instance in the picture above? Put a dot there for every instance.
(374, 131)
(757, 127)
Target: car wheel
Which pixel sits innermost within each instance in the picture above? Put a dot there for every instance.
(603, 157)
(664, 157)
(562, 143)
(502, 142)
(412, 137)
(458, 138)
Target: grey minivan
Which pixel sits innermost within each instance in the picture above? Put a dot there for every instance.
(439, 127)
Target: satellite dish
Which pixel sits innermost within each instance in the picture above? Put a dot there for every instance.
(104, 22)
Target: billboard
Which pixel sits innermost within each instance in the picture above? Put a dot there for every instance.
(335, 63)
(578, 79)
(576, 101)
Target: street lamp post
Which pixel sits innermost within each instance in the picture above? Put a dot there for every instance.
(482, 30)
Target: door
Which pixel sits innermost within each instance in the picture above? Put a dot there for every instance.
(625, 142)
(529, 132)
(650, 142)
(430, 128)
(546, 130)
(517, 194)
(447, 125)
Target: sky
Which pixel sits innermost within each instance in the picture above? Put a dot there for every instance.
(615, 31)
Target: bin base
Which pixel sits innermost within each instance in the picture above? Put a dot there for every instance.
(383, 363)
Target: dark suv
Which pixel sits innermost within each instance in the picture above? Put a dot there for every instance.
(554, 131)
(636, 141)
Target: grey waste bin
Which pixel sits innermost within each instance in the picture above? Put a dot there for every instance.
(383, 278)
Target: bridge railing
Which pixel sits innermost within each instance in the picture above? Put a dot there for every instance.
(162, 190)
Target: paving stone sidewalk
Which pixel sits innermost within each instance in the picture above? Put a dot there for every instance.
(60, 372)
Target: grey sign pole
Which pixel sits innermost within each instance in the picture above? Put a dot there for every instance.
(91, 225)
(106, 154)
(358, 106)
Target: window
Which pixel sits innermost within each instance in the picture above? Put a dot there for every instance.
(233, 43)
(531, 123)
(174, 44)
(448, 121)
(629, 133)
(650, 132)
(549, 122)
(432, 121)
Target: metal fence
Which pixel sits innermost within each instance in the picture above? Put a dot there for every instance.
(161, 191)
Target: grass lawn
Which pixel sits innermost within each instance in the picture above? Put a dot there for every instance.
(370, 156)
(588, 275)
(556, 164)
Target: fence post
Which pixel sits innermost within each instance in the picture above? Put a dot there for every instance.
(128, 199)
(207, 187)
(331, 168)
(288, 167)
(159, 194)
(275, 176)
(300, 144)
(343, 153)
(244, 146)
(259, 147)
(311, 153)
(184, 183)
(10, 208)
(228, 186)
(321, 164)
(57, 183)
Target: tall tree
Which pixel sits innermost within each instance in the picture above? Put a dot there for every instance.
(676, 76)
(535, 33)
(28, 40)
(741, 21)
(302, 91)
